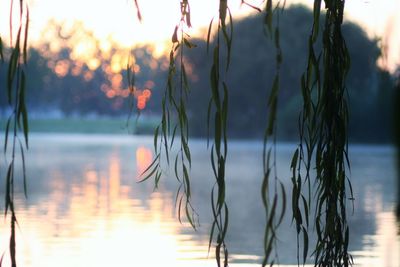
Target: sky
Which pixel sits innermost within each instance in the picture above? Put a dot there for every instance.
(117, 19)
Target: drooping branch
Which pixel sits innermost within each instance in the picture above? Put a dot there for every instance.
(174, 121)
(323, 136)
(274, 199)
(18, 119)
(218, 106)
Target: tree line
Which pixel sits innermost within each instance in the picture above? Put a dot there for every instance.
(57, 82)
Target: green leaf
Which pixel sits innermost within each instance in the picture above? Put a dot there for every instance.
(156, 131)
(211, 235)
(179, 209)
(224, 117)
(209, 34)
(305, 244)
(317, 11)
(213, 161)
(9, 181)
(214, 86)
(150, 173)
(173, 136)
(1, 50)
(24, 111)
(187, 151)
(283, 211)
(23, 170)
(188, 44)
(153, 163)
(138, 13)
(272, 212)
(12, 68)
(187, 14)
(217, 133)
(272, 118)
(295, 157)
(6, 134)
(305, 205)
(223, 6)
(228, 40)
(25, 49)
(268, 16)
(157, 178)
(186, 180)
(277, 44)
(174, 38)
(208, 121)
(226, 223)
(176, 167)
(189, 217)
(264, 188)
(250, 5)
(274, 91)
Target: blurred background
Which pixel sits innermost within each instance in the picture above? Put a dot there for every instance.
(84, 204)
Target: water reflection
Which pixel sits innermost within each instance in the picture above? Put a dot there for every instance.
(85, 207)
(144, 157)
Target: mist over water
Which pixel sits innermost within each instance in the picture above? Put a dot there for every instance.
(85, 206)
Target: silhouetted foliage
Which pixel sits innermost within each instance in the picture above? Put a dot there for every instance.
(370, 89)
(252, 68)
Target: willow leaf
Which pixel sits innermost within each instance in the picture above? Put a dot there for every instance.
(25, 47)
(188, 44)
(223, 6)
(268, 16)
(186, 150)
(12, 68)
(9, 181)
(6, 134)
(317, 11)
(156, 131)
(138, 13)
(24, 111)
(23, 169)
(189, 217)
(305, 245)
(173, 136)
(1, 55)
(174, 39)
(186, 180)
(226, 223)
(217, 133)
(209, 34)
(149, 167)
(283, 197)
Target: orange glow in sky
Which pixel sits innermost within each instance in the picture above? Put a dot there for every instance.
(117, 19)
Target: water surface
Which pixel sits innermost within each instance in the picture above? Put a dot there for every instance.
(85, 206)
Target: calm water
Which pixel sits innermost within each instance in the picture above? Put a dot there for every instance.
(85, 207)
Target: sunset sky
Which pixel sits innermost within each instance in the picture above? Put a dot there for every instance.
(117, 19)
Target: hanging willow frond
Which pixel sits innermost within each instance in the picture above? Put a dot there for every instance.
(323, 136)
(138, 13)
(274, 199)
(174, 121)
(219, 108)
(18, 120)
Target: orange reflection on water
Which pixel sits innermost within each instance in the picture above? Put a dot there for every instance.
(114, 178)
(144, 157)
(91, 218)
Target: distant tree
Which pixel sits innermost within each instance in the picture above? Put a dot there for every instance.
(249, 74)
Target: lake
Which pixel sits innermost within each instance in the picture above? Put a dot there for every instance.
(85, 206)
